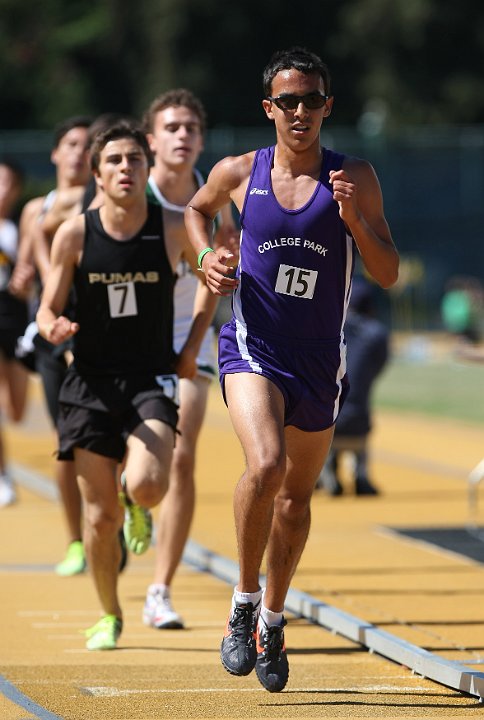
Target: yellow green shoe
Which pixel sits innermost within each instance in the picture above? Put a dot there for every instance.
(138, 525)
(104, 634)
(74, 562)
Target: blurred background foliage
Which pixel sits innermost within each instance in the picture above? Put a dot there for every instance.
(407, 81)
(410, 61)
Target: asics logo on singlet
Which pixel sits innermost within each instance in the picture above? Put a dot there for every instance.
(257, 191)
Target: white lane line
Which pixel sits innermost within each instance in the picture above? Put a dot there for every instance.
(57, 613)
(149, 679)
(117, 692)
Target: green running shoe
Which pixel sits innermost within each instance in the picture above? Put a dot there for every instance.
(104, 634)
(137, 527)
(74, 562)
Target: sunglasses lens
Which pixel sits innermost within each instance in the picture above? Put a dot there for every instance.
(289, 102)
(314, 101)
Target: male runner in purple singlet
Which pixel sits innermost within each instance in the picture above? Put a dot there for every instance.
(305, 212)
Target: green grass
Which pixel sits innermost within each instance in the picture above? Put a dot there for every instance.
(435, 387)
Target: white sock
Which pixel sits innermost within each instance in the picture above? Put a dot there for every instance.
(242, 598)
(269, 617)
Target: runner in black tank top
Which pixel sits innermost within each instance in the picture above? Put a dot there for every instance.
(124, 307)
(118, 402)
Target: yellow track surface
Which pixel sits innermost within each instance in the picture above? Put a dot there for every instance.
(354, 561)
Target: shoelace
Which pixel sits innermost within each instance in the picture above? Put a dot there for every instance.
(273, 641)
(138, 518)
(160, 599)
(242, 623)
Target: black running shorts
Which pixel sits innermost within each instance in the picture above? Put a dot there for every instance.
(98, 413)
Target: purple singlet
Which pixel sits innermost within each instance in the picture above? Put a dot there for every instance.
(289, 309)
(295, 265)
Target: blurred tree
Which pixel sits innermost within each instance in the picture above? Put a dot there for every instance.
(394, 62)
(41, 53)
(422, 58)
(220, 50)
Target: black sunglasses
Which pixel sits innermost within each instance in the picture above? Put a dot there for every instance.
(312, 101)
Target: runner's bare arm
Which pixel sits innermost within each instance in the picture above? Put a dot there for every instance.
(204, 309)
(357, 190)
(226, 182)
(22, 280)
(65, 254)
(67, 204)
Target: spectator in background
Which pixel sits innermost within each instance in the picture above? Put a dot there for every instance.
(462, 306)
(367, 349)
(13, 318)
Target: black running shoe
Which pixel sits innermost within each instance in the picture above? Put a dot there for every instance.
(237, 651)
(271, 665)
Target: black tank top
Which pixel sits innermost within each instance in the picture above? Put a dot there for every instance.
(124, 301)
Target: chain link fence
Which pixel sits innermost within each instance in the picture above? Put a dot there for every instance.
(433, 186)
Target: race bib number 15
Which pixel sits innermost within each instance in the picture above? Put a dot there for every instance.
(295, 281)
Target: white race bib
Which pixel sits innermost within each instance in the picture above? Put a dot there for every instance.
(296, 282)
(122, 299)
